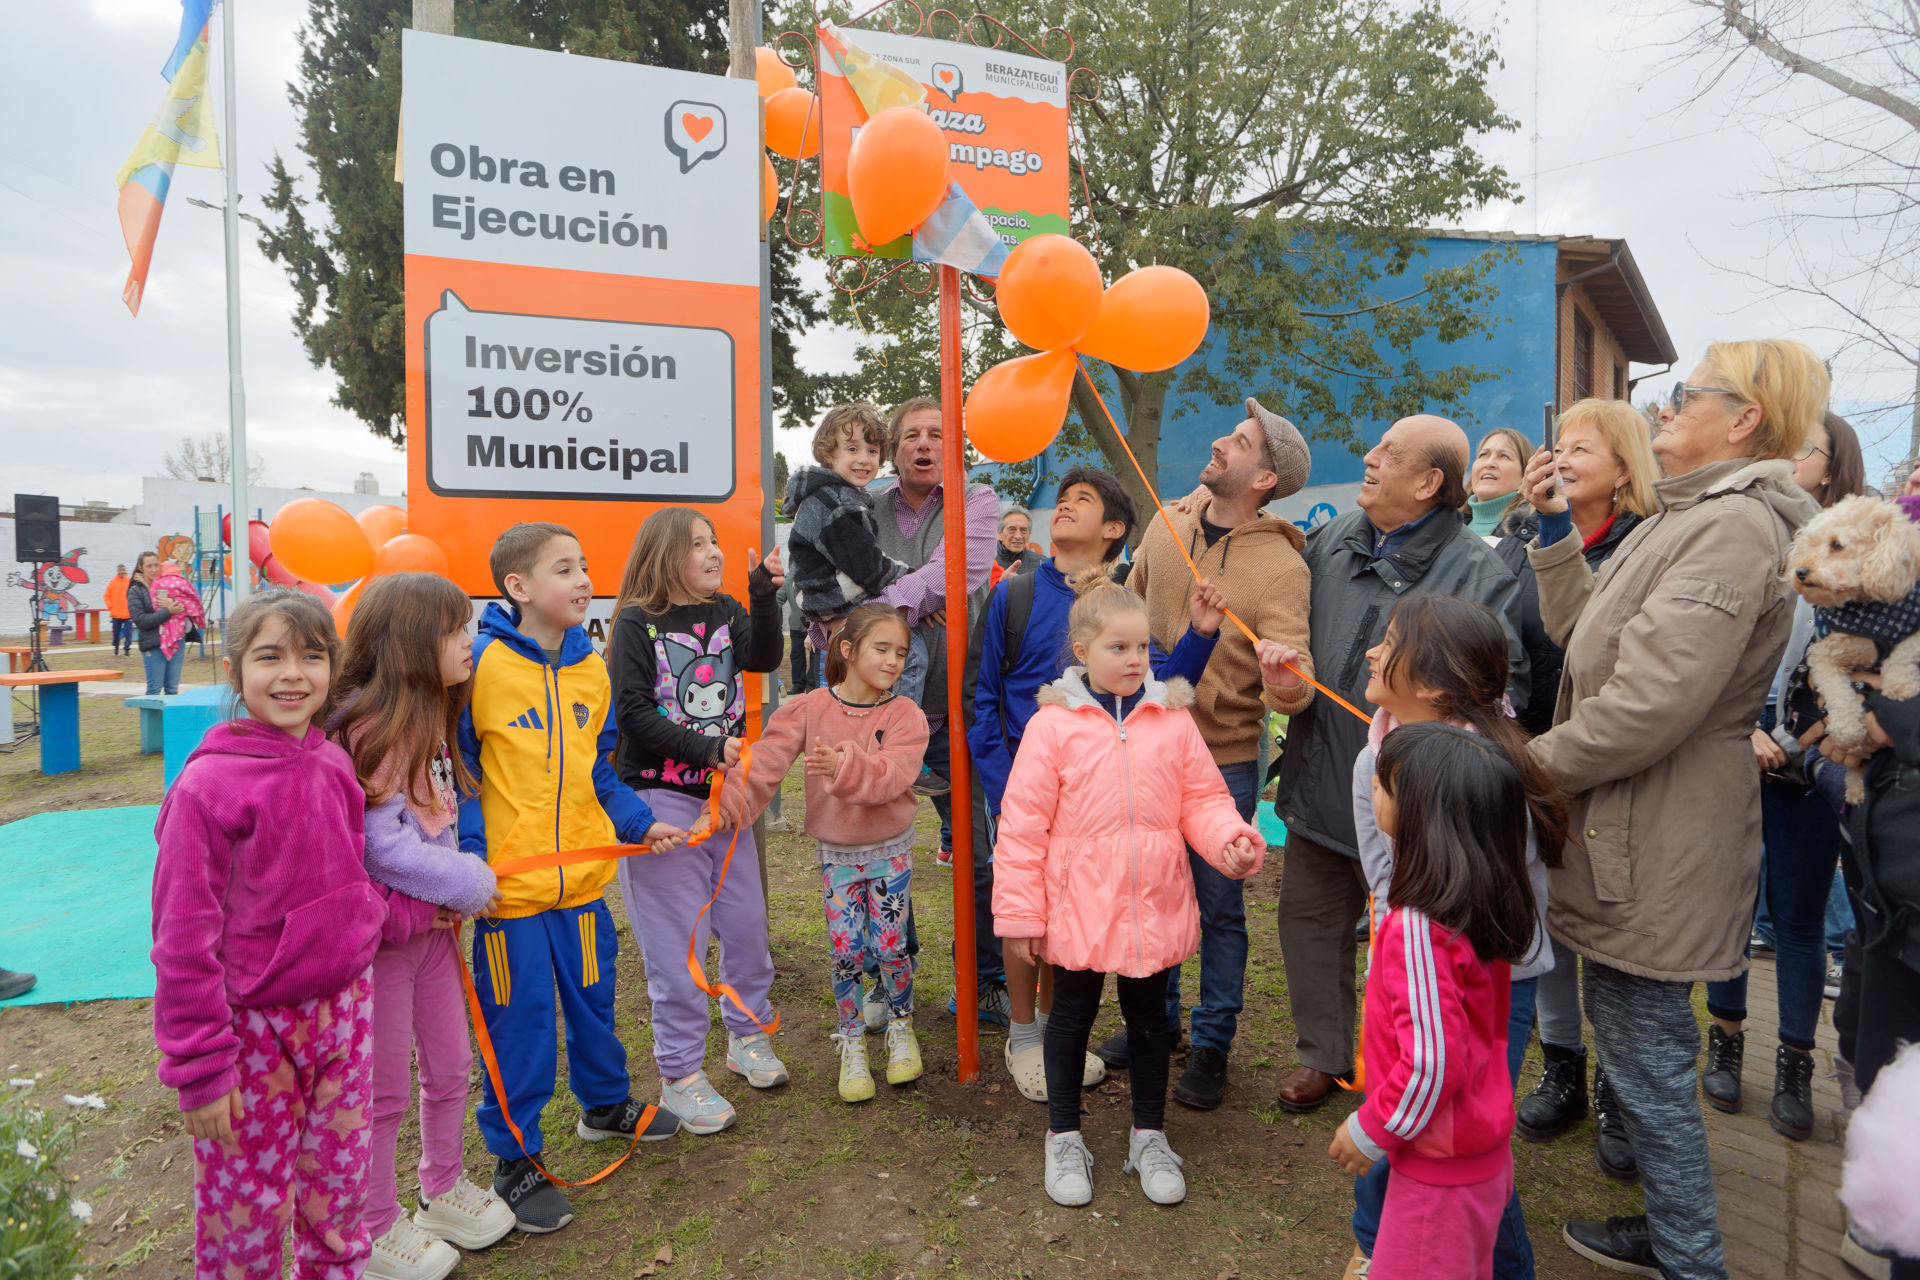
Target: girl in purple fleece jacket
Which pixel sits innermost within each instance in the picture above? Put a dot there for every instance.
(264, 927)
(405, 680)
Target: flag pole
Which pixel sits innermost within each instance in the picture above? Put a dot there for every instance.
(239, 563)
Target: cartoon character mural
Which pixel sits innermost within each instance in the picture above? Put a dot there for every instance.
(54, 580)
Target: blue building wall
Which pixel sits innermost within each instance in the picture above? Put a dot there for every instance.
(1518, 353)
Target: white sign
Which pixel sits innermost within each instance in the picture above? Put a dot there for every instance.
(552, 407)
(655, 175)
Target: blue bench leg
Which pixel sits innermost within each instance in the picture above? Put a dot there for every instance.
(59, 728)
(152, 735)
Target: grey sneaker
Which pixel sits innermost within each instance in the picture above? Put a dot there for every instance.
(1160, 1178)
(692, 1098)
(1069, 1169)
(753, 1057)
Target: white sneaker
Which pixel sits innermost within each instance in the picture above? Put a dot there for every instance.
(875, 1012)
(753, 1057)
(856, 1079)
(903, 1052)
(1149, 1155)
(1095, 1072)
(465, 1215)
(407, 1253)
(1069, 1169)
(701, 1110)
(1028, 1067)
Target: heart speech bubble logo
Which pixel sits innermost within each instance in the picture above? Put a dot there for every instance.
(946, 79)
(695, 132)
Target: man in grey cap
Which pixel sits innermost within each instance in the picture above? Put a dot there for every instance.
(1254, 559)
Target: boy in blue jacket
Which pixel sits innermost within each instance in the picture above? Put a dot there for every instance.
(1092, 520)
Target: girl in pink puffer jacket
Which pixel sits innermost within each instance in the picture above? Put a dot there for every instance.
(1111, 784)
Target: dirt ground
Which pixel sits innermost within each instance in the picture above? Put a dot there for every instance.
(933, 1179)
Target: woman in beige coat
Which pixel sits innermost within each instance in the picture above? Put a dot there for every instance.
(1670, 650)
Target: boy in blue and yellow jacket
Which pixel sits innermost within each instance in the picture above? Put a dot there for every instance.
(538, 733)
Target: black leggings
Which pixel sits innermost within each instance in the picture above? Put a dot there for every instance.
(1143, 1003)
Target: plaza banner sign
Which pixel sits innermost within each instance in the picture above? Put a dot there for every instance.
(582, 299)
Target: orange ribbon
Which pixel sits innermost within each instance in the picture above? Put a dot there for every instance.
(719, 990)
(1245, 630)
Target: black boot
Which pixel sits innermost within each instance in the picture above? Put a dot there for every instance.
(1204, 1083)
(1559, 1101)
(1612, 1149)
(1793, 1092)
(1721, 1080)
(1618, 1244)
(1113, 1050)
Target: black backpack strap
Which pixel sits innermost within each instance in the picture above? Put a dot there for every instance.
(1020, 593)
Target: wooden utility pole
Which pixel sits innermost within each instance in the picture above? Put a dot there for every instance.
(433, 15)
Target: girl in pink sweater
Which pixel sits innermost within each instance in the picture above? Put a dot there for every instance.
(863, 746)
(264, 926)
(1439, 1104)
(1111, 784)
(404, 682)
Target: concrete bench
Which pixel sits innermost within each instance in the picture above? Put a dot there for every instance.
(175, 725)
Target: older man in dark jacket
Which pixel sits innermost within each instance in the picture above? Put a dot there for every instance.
(1406, 537)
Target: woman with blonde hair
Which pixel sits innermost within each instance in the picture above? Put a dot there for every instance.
(1669, 654)
(1605, 472)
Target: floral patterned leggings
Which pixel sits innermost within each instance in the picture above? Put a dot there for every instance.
(867, 914)
(301, 1150)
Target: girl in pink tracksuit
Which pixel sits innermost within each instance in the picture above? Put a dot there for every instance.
(1111, 783)
(264, 928)
(1439, 1104)
(404, 682)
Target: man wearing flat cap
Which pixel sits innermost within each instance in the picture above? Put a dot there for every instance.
(1254, 558)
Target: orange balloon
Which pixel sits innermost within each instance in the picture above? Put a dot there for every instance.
(771, 72)
(317, 540)
(409, 553)
(1151, 319)
(382, 522)
(1017, 407)
(343, 607)
(896, 173)
(793, 123)
(769, 189)
(1049, 291)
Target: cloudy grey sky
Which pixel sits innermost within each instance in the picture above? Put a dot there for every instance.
(90, 398)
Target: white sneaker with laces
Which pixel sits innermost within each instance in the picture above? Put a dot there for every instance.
(753, 1057)
(465, 1215)
(875, 1011)
(903, 1052)
(1149, 1155)
(407, 1253)
(1069, 1169)
(701, 1110)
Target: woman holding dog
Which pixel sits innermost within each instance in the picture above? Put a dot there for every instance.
(1670, 652)
(1800, 848)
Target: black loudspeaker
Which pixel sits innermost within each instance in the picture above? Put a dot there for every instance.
(36, 527)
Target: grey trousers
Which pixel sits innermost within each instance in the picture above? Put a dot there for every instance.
(1323, 894)
(1650, 1047)
(1556, 1006)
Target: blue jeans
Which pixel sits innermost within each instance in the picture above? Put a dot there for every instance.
(122, 633)
(1512, 1252)
(1839, 918)
(1801, 849)
(1223, 933)
(162, 670)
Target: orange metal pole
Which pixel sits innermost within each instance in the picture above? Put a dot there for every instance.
(953, 446)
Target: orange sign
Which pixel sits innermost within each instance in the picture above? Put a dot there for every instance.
(1005, 118)
(582, 302)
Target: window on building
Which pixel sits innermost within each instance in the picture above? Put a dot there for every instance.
(1620, 381)
(1582, 355)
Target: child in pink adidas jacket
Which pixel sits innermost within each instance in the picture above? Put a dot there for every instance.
(1439, 1104)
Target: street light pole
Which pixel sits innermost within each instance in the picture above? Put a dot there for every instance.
(239, 562)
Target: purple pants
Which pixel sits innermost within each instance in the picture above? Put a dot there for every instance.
(419, 1010)
(663, 893)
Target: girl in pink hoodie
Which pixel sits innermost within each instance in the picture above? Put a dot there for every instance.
(404, 681)
(863, 745)
(1111, 783)
(1461, 912)
(264, 925)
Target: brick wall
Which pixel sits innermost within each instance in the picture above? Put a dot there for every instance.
(1607, 355)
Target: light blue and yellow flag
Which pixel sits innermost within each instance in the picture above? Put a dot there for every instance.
(181, 132)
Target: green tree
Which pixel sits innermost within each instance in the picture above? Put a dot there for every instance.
(781, 473)
(346, 267)
(1287, 153)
